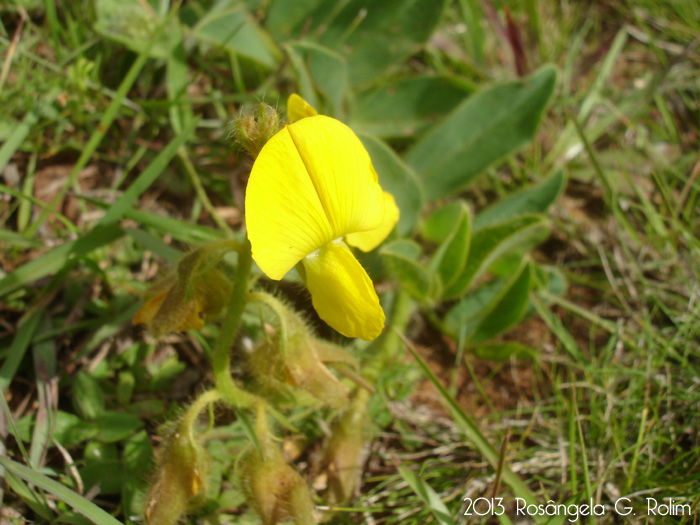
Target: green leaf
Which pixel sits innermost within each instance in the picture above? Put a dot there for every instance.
(130, 23)
(100, 458)
(79, 503)
(401, 259)
(321, 71)
(234, 30)
(372, 38)
(115, 426)
(398, 179)
(485, 128)
(88, 398)
(508, 310)
(535, 199)
(69, 429)
(438, 226)
(504, 351)
(406, 107)
(449, 259)
(426, 493)
(23, 336)
(490, 243)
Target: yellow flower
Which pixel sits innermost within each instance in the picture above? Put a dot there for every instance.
(311, 193)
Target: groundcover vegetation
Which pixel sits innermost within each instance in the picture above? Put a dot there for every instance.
(418, 261)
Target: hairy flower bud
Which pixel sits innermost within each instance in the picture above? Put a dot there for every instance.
(253, 129)
(294, 357)
(180, 478)
(345, 453)
(272, 487)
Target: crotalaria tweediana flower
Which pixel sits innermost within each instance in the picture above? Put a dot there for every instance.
(312, 193)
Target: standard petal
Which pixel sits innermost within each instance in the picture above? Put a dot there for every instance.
(369, 240)
(284, 215)
(298, 108)
(342, 174)
(342, 292)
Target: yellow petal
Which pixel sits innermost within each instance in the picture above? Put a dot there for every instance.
(369, 240)
(298, 108)
(342, 174)
(342, 292)
(284, 215)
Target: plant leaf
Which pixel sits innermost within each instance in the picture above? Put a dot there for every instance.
(79, 503)
(449, 259)
(406, 107)
(535, 199)
(490, 243)
(426, 493)
(321, 71)
(401, 259)
(485, 128)
(234, 30)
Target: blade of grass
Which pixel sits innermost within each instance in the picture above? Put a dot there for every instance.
(73, 499)
(472, 432)
(54, 260)
(25, 332)
(44, 355)
(16, 138)
(29, 198)
(147, 177)
(426, 493)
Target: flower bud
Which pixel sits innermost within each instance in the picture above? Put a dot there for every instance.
(180, 478)
(253, 129)
(273, 488)
(345, 453)
(294, 357)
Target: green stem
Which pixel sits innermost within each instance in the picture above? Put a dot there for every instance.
(280, 311)
(199, 404)
(230, 392)
(401, 313)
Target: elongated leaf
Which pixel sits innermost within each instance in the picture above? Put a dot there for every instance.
(234, 30)
(131, 23)
(485, 128)
(321, 71)
(398, 179)
(20, 343)
(535, 199)
(508, 310)
(16, 138)
(401, 258)
(489, 243)
(438, 226)
(372, 36)
(407, 107)
(426, 493)
(80, 504)
(449, 259)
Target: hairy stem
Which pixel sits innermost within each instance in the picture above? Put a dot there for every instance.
(230, 392)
